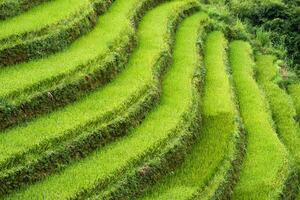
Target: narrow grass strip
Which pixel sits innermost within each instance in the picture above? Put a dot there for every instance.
(40, 39)
(219, 132)
(283, 113)
(104, 163)
(266, 165)
(294, 92)
(173, 153)
(10, 8)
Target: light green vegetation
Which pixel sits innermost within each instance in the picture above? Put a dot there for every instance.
(111, 26)
(281, 106)
(266, 165)
(218, 131)
(41, 16)
(175, 101)
(294, 91)
(137, 77)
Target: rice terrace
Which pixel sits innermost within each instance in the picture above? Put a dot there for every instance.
(150, 99)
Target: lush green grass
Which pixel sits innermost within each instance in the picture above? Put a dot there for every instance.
(217, 92)
(134, 80)
(176, 99)
(41, 16)
(219, 129)
(270, 114)
(281, 106)
(265, 168)
(294, 91)
(94, 44)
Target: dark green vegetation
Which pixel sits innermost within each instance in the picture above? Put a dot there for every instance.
(280, 18)
(272, 26)
(10, 8)
(149, 99)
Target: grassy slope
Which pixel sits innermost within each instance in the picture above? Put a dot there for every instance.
(281, 105)
(219, 127)
(136, 77)
(266, 164)
(40, 16)
(95, 43)
(176, 98)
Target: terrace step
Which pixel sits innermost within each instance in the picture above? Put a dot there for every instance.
(41, 86)
(9, 8)
(166, 117)
(171, 154)
(206, 172)
(32, 142)
(47, 28)
(284, 116)
(54, 155)
(266, 166)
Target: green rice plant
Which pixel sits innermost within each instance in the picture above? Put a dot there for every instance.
(55, 155)
(216, 146)
(27, 142)
(294, 92)
(283, 112)
(93, 60)
(84, 110)
(156, 128)
(167, 156)
(47, 29)
(266, 165)
(82, 51)
(10, 8)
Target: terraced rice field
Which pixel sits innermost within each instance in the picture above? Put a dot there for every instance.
(140, 99)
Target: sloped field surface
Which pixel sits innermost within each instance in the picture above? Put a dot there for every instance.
(140, 99)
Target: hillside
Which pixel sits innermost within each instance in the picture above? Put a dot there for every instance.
(149, 99)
